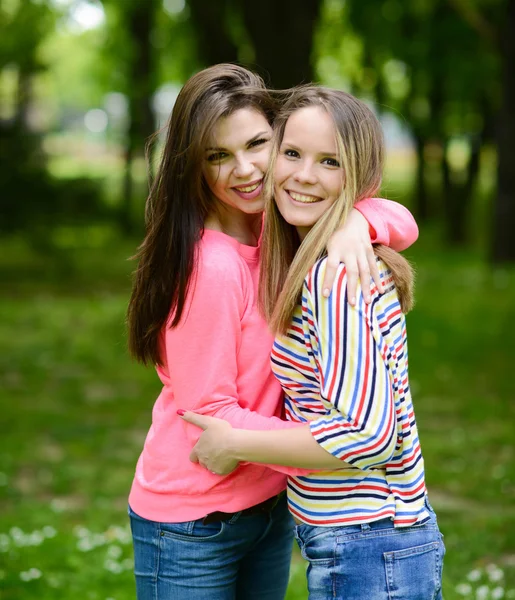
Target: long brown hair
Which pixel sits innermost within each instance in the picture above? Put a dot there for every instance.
(179, 200)
(284, 260)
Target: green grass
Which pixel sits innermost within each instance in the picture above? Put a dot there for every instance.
(75, 410)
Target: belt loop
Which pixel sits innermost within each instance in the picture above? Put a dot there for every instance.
(365, 527)
(235, 517)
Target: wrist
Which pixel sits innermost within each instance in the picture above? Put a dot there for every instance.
(234, 442)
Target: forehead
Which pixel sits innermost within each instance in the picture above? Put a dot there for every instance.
(239, 127)
(312, 125)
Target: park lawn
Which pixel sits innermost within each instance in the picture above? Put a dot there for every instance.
(75, 410)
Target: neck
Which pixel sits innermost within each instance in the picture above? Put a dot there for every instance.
(303, 232)
(244, 228)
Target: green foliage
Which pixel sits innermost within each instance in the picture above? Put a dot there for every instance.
(24, 25)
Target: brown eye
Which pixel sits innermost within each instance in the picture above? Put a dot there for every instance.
(217, 156)
(331, 162)
(259, 142)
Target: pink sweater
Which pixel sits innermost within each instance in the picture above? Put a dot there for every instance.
(217, 362)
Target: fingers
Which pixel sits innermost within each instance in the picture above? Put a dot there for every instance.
(352, 282)
(330, 275)
(374, 271)
(202, 421)
(364, 276)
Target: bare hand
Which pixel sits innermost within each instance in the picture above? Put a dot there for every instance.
(211, 449)
(351, 245)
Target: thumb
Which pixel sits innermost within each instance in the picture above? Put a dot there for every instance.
(202, 421)
(194, 456)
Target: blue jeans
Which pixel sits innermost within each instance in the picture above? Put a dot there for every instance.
(245, 558)
(374, 561)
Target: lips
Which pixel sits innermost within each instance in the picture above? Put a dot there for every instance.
(250, 190)
(303, 198)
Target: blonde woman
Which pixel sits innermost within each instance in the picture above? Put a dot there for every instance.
(360, 505)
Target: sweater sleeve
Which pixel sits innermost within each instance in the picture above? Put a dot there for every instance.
(201, 352)
(390, 223)
(359, 426)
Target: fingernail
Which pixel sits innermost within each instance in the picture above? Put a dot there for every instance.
(181, 412)
(326, 292)
(353, 301)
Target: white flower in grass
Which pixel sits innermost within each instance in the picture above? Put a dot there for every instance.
(114, 552)
(98, 539)
(30, 574)
(121, 535)
(127, 564)
(495, 574)
(482, 592)
(5, 542)
(19, 538)
(35, 573)
(48, 531)
(85, 544)
(54, 581)
(464, 589)
(474, 575)
(36, 538)
(497, 593)
(112, 566)
(58, 505)
(81, 531)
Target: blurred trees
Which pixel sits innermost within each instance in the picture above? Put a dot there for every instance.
(31, 198)
(444, 66)
(136, 22)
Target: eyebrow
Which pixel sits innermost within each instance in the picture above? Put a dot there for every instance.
(294, 147)
(253, 139)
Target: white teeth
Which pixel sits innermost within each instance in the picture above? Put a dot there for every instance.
(250, 188)
(302, 198)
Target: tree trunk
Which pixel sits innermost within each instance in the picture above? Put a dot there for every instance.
(458, 196)
(213, 40)
(282, 36)
(421, 196)
(503, 246)
(23, 99)
(140, 22)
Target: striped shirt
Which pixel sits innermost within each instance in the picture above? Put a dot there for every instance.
(344, 370)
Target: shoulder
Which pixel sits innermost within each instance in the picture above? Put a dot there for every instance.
(219, 263)
(313, 282)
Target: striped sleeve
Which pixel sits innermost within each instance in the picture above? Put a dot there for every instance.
(359, 425)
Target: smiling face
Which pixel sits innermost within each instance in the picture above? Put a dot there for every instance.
(308, 174)
(236, 160)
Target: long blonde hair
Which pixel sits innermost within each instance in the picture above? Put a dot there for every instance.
(284, 260)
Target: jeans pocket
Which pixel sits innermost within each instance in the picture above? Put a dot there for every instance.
(414, 573)
(192, 530)
(317, 545)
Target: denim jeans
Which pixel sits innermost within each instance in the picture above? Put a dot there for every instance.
(374, 561)
(245, 558)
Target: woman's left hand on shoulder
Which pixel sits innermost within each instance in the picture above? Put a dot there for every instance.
(351, 245)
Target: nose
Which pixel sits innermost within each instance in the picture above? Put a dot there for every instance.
(305, 173)
(244, 166)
